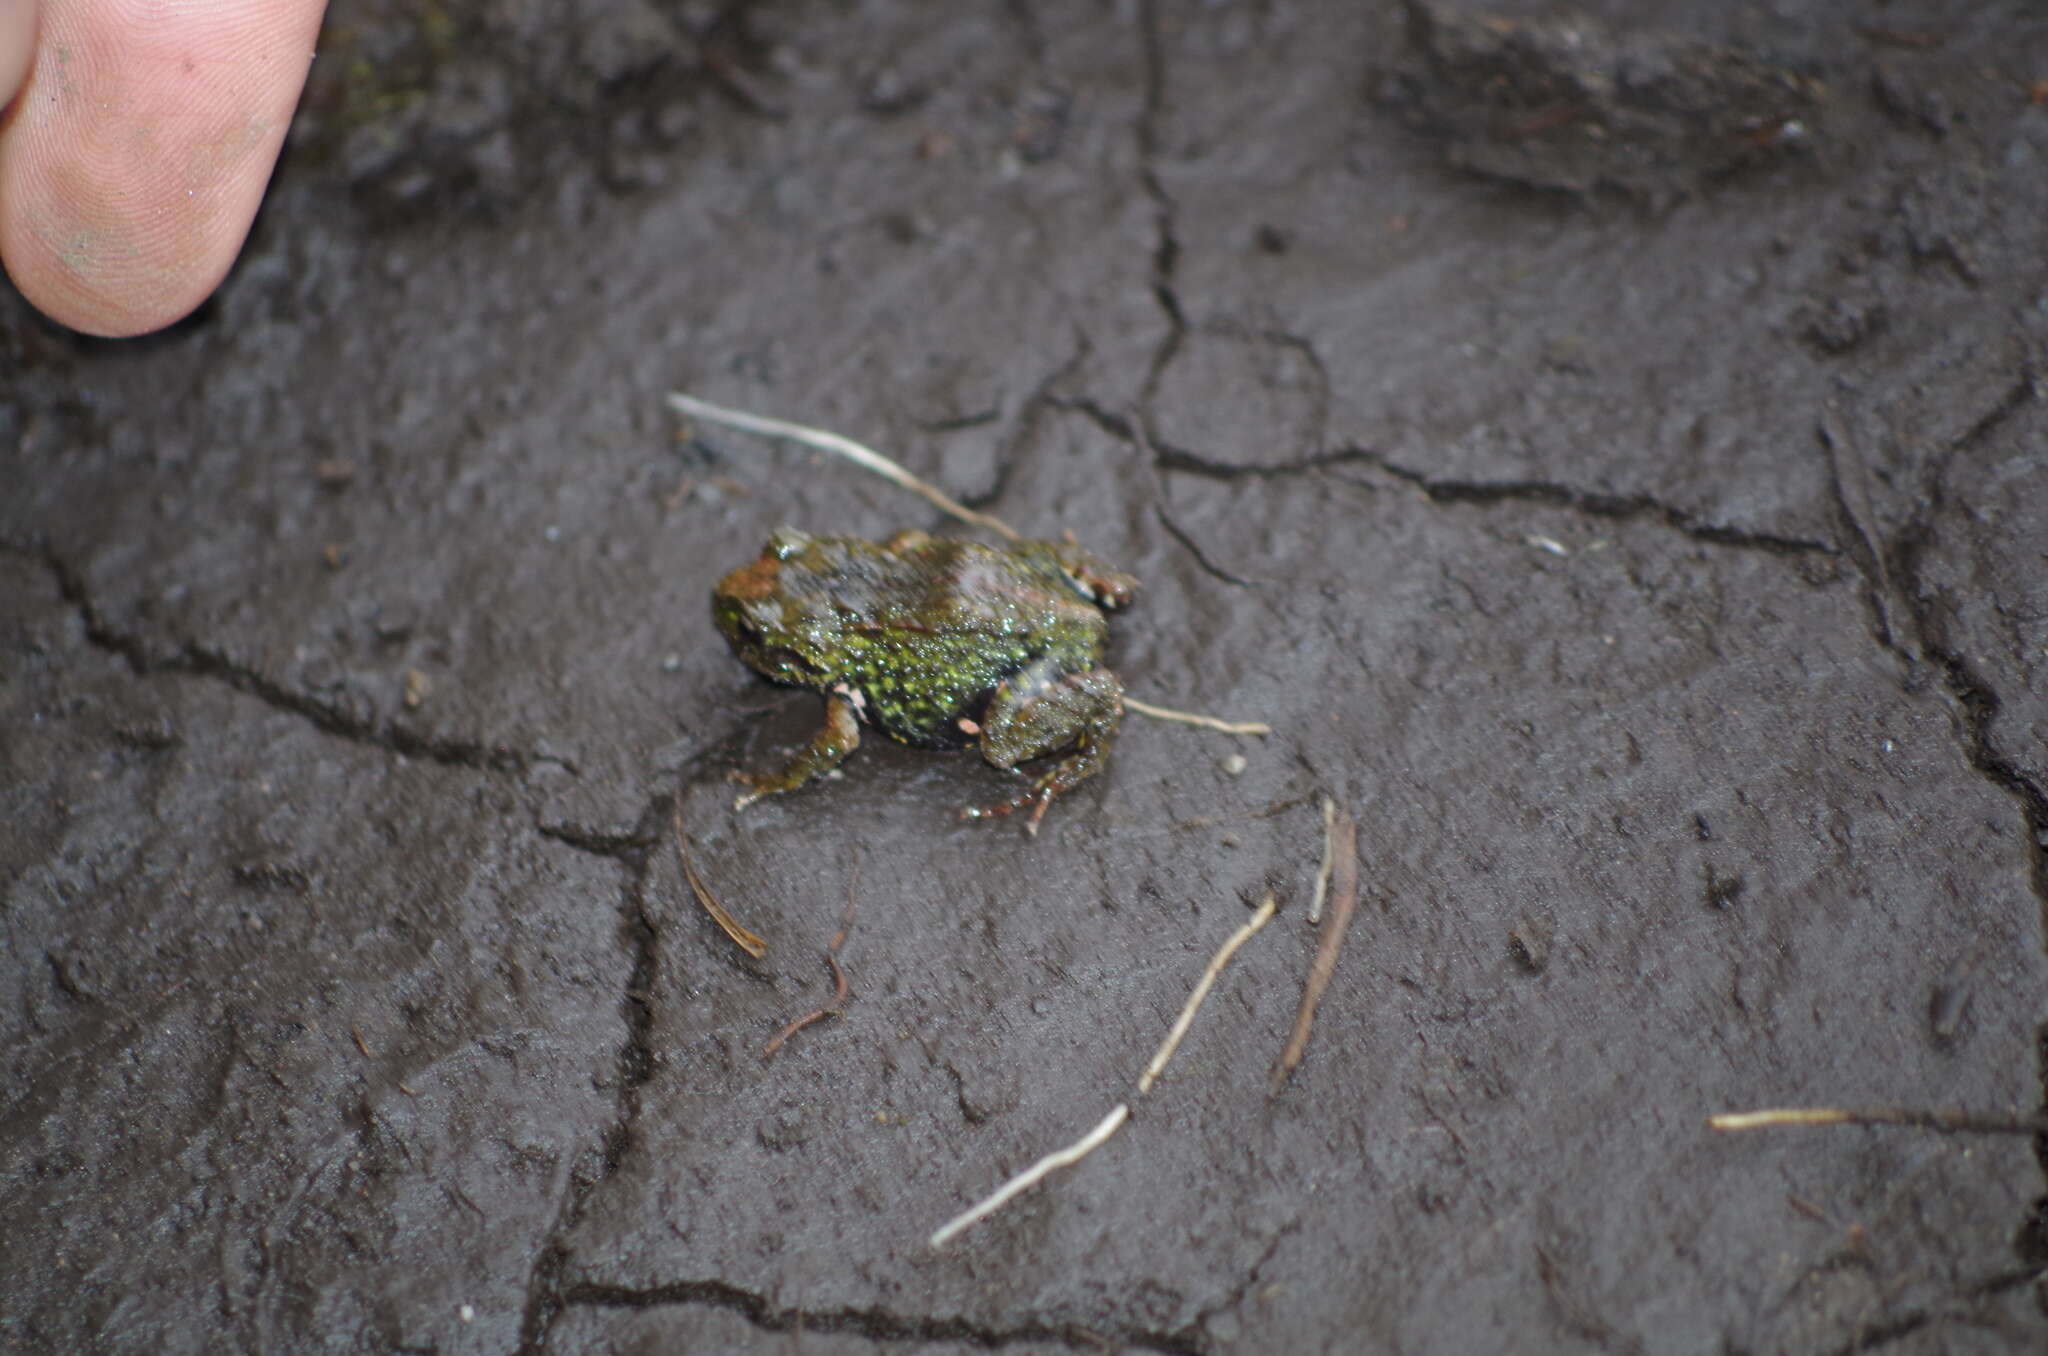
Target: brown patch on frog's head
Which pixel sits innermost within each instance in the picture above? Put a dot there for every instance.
(752, 582)
(749, 607)
(763, 578)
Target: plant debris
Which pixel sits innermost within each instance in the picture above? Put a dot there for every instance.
(1942, 1122)
(1244, 727)
(1028, 1178)
(1094, 1139)
(743, 939)
(1222, 957)
(1322, 890)
(1341, 860)
(840, 991)
(690, 407)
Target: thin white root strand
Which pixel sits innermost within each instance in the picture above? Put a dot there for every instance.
(1245, 727)
(1315, 902)
(1030, 1177)
(1753, 1120)
(690, 407)
(1201, 992)
(1954, 1121)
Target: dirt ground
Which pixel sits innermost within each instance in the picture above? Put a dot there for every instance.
(1615, 460)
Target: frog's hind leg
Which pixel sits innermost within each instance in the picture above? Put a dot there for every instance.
(827, 750)
(1038, 712)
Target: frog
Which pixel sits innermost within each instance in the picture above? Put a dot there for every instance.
(939, 643)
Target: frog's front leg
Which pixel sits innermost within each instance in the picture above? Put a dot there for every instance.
(827, 750)
(1040, 711)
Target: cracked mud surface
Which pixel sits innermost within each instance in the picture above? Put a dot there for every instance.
(1659, 585)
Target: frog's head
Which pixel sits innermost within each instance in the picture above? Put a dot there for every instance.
(750, 608)
(1091, 576)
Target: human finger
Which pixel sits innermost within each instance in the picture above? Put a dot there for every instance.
(138, 148)
(17, 40)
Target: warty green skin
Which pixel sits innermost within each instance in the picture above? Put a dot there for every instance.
(938, 643)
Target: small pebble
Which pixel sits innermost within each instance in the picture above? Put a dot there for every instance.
(334, 473)
(1235, 764)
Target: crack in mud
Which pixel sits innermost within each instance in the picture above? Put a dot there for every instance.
(1975, 695)
(1244, 1289)
(1194, 549)
(874, 1323)
(195, 659)
(1166, 236)
(1979, 703)
(1858, 518)
(620, 846)
(1553, 494)
(1300, 344)
(635, 853)
(1593, 503)
(1980, 706)
(1026, 424)
(633, 850)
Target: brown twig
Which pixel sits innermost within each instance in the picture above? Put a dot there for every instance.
(1211, 821)
(1343, 852)
(743, 939)
(1942, 1122)
(840, 992)
(833, 1009)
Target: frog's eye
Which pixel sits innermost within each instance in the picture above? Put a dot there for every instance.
(1109, 589)
(786, 542)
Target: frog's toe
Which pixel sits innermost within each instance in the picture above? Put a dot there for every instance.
(758, 788)
(1039, 798)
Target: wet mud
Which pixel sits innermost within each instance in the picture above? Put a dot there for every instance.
(1629, 510)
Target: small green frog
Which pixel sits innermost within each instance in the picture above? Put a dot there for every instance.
(939, 643)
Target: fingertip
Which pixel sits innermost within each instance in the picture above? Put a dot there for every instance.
(17, 44)
(138, 150)
(84, 289)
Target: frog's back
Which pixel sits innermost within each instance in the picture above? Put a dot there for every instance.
(928, 631)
